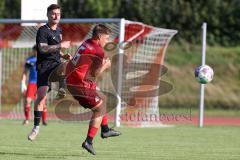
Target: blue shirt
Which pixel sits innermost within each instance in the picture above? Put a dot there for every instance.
(31, 66)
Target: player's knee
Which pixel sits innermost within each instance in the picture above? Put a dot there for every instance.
(28, 101)
(41, 100)
(100, 109)
(102, 95)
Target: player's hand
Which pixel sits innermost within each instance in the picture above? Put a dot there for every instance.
(65, 44)
(23, 87)
(107, 63)
(67, 56)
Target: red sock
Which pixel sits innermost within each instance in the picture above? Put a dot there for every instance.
(104, 124)
(104, 120)
(92, 131)
(27, 111)
(44, 115)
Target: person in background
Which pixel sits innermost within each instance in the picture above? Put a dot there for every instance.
(30, 89)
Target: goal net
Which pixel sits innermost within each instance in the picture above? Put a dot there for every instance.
(132, 85)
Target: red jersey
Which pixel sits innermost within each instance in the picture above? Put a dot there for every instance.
(82, 68)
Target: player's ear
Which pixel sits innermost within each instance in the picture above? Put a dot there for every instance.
(99, 36)
(47, 14)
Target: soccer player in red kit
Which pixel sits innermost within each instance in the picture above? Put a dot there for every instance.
(88, 63)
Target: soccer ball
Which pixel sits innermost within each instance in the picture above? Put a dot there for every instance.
(204, 74)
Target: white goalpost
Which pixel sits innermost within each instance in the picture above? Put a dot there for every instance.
(119, 78)
(137, 54)
(201, 97)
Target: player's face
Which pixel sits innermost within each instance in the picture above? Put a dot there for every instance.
(54, 16)
(103, 40)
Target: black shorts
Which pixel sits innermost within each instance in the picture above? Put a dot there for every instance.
(45, 72)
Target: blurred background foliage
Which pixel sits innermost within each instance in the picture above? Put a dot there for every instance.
(184, 52)
(222, 16)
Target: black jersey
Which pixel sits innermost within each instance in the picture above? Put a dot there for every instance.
(51, 37)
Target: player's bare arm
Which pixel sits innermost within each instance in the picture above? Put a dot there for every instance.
(44, 47)
(24, 75)
(23, 86)
(105, 65)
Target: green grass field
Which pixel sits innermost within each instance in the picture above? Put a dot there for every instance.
(61, 140)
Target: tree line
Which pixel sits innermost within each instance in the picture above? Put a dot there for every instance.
(187, 16)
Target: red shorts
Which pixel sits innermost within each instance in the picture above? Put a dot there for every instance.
(86, 97)
(31, 90)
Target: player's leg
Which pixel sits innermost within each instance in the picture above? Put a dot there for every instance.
(62, 84)
(27, 108)
(44, 112)
(38, 109)
(44, 116)
(94, 125)
(105, 130)
(99, 118)
(89, 98)
(30, 95)
(57, 74)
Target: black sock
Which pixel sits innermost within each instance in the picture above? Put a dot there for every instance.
(37, 117)
(89, 139)
(104, 128)
(62, 83)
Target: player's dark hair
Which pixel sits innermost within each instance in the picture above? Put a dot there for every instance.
(52, 7)
(100, 29)
(34, 47)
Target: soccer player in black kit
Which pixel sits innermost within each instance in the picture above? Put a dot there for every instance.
(49, 44)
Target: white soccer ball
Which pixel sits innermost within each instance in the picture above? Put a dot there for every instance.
(204, 74)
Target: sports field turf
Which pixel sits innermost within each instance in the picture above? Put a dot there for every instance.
(61, 140)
